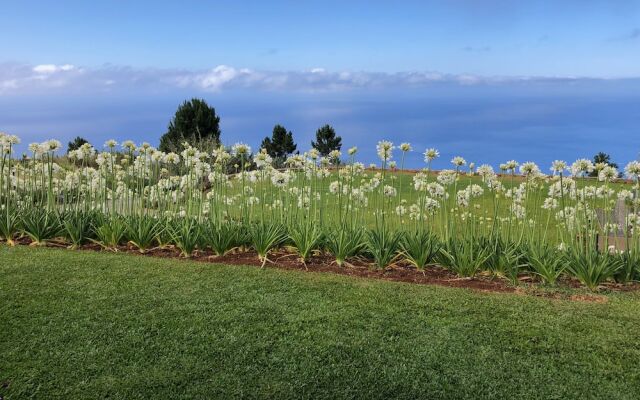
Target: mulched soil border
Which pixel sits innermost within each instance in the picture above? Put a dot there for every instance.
(399, 272)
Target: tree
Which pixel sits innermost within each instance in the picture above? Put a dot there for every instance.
(194, 122)
(76, 143)
(280, 145)
(326, 140)
(602, 158)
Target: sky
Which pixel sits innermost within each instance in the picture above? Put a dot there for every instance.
(489, 80)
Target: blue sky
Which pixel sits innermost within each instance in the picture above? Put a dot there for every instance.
(568, 38)
(490, 79)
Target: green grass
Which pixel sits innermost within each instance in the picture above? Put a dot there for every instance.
(95, 325)
(403, 181)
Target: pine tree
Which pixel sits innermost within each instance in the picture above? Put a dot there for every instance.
(76, 143)
(326, 140)
(602, 158)
(280, 145)
(194, 122)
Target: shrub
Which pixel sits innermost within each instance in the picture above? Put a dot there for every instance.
(419, 248)
(10, 219)
(110, 231)
(546, 262)
(77, 226)
(464, 256)
(222, 237)
(383, 245)
(41, 225)
(185, 234)
(344, 243)
(142, 231)
(305, 238)
(507, 259)
(264, 237)
(590, 266)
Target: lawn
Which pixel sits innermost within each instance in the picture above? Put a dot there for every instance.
(99, 325)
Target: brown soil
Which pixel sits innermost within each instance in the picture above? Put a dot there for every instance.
(399, 272)
(284, 259)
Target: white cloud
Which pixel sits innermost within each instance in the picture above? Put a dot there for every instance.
(44, 78)
(52, 68)
(217, 77)
(45, 68)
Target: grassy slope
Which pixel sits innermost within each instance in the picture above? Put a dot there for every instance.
(404, 181)
(89, 325)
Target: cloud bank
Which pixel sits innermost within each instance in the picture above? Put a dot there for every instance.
(68, 78)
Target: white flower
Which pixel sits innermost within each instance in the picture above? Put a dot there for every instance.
(304, 201)
(280, 179)
(431, 205)
(13, 139)
(145, 148)
(558, 166)
(36, 148)
(110, 143)
(262, 159)
(405, 147)
(475, 190)
(430, 155)
(494, 184)
(519, 211)
(632, 220)
(384, 149)
(101, 160)
(462, 198)
(529, 168)
(604, 192)
(241, 150)
(189, 153)
(352, 150)
(221, 155)
(599, 166)
(436, 190)
(420, 181)
(446, 177)
(568, 188)
(389, 191)
(485, 171)
(626, 195)
(128, 145)
(550, 203)
(581, 167)
(172, 158)
(313, 154)
(607, 174)
(632, 170)
(52, 145)
(156, 156)
(510, 165)
(295, 161)
(458, 161)
(334, 187)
